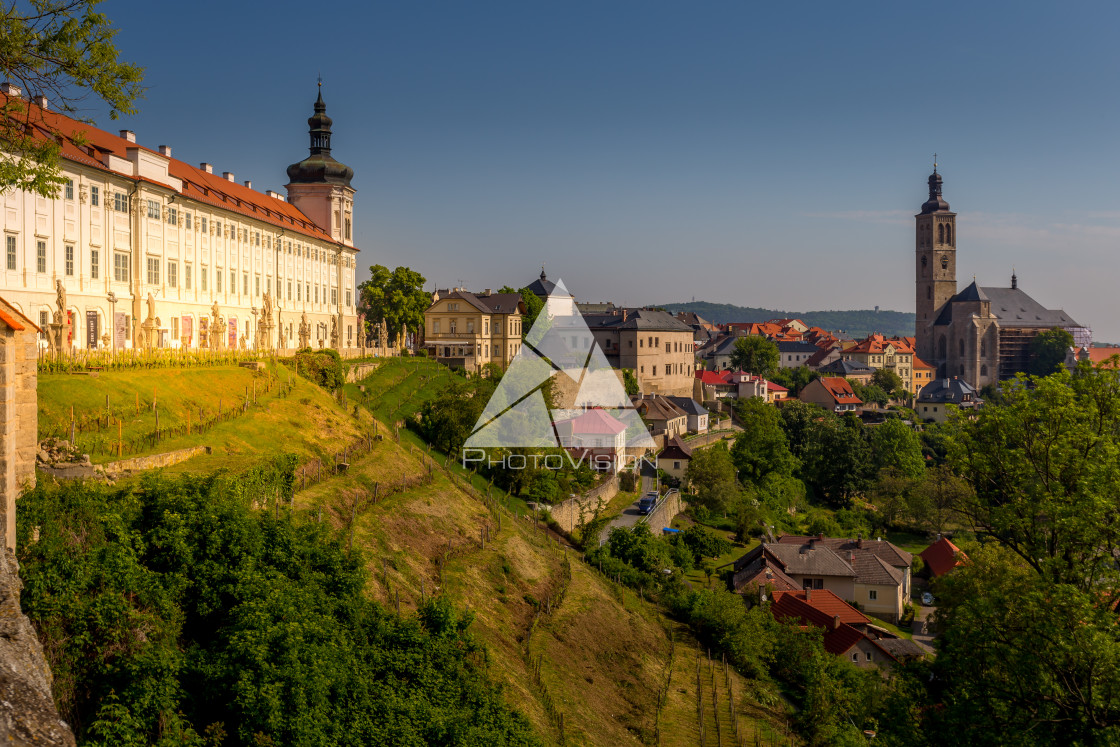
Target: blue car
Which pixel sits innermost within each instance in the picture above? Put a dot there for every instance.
(646, 504)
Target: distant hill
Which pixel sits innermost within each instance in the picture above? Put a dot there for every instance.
(858, 323)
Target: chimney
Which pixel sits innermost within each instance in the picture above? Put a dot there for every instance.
(249, 183)
(10, 90)
(808, 593)
(165, 150)
(812, 542)
(851, 557)
(624, 315)
(129, 135)
(859, 541)
(939, 536)
(820, 536)
(835, 622)
(228, 176)
(207, 167)
(41, 102)
(274, 195)
(486, 292)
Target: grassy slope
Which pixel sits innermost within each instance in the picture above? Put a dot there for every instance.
(604, 654)
(307, 422)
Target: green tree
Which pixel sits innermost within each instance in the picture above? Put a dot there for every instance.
(870, 393)
(395, 297)
(891, 494)
(61, 49)
(888, 381)
(630, 382)
(794, 379)
(799, 421)
(1048, 351)
(937, 497)
(761, 449)
(894, 444)
(711, 475)
(755, 354)
(838, 463)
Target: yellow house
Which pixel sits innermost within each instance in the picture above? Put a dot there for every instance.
(468, 330)
(894, 354)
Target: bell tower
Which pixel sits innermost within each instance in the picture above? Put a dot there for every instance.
(319, 185)
(935, 246)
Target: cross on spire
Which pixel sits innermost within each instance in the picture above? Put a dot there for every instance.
(934, 155)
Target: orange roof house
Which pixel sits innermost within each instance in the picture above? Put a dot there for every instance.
(831, 393)
(942, 556)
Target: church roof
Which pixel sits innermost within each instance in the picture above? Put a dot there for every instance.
(543, 287)
(1011, 306)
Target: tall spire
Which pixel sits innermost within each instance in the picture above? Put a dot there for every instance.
(319, 166)
(935, 202)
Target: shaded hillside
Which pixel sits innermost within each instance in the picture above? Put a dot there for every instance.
(857, 323)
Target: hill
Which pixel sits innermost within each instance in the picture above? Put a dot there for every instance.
(856, 323)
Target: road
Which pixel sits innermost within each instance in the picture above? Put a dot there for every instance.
(629, 516)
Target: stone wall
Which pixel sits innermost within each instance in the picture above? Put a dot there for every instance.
(19, 415)
(27, 712)
(662, 515)
(153, 461)
(568, 514)
(359, 371)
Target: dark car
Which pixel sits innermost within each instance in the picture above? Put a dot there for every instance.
(646, 504)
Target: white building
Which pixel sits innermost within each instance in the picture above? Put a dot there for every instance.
(133, 222)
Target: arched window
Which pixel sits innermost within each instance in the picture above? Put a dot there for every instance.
(983, 370)
(960, 347)
(949, 235)
(983, 348)
(940, 233)
(941, 352)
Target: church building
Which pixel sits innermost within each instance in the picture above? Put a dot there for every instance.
(980, 334)
(139, 249)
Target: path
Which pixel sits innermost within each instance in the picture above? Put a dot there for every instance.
(922, 636)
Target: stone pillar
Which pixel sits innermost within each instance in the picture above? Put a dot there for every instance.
(19, 418)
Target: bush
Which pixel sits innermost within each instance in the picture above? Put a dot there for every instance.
(628, 481)
(323, 367)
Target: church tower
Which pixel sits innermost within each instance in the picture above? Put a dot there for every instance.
(319, 185)
(935, 264)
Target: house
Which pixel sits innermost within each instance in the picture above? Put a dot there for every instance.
(824, 355)
(939, 396)
(711, 386)
(716, 353)
(557, 300)
(696, 412)
(848, 369)
(661, 415)
(674, 458)
(832, 393)
(923, 374)
(655, 345)
(793, 354)
(874, 573)
(942, 556)
(595, 434)
(840, 622)
(895, 354)
(467, 330)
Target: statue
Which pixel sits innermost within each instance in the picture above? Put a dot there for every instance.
(383, 336)
(304, 331)
(151, 308)
(60, 312)
(241, 342)
(334, 332)
(214, 311)
(404, 337)
(266, 309)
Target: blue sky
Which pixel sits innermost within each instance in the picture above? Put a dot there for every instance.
(764, 155)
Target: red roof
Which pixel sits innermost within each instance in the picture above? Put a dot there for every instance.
(596, 422)
(1099, 355)
(829, 604)
(710, 377)
(198, 185)
(840, 390)
(919, 363)
(942, 556)
(839, 636)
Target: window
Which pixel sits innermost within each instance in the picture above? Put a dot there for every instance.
(11, 251)
(203, 278)
(187, 277)
(299, 292)
(173, 274)
(69, 260)
(94, 196)
(334, 296)
(348, 306)
(233, 282)
(43, 321)
(347, 229)
(94, 264)
(307, 296)
(289, 290)
(218, 228)
(120, 202)
(69, 189)
(153, 209)
(41, 256)
(120, 267)
(186, 220)
(435, 327)
(944, 263)
(153, 271)
(257, 238)
(257, 285)
(202, 224)
(872, 594)
(868, 656)
(316, 294)
(218, 281)
(172, 216)
(245, 283)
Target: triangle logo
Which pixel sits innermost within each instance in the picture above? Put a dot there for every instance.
(560, 346)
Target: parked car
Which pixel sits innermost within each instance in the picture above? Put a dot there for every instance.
(927, 599)
(647, 502)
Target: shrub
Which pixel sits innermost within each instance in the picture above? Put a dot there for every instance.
(323, 367)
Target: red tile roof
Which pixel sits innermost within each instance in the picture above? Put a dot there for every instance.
(198, 185)
(829, 604)
(596, 422)
(839, 636)
(1099, 355)
(942, 556)
(919, 363)
(840, 390)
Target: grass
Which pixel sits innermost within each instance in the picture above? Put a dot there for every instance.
(911, 542)
(307, 422)
(892, 628)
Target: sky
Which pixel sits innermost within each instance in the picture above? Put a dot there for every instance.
(650, 152)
